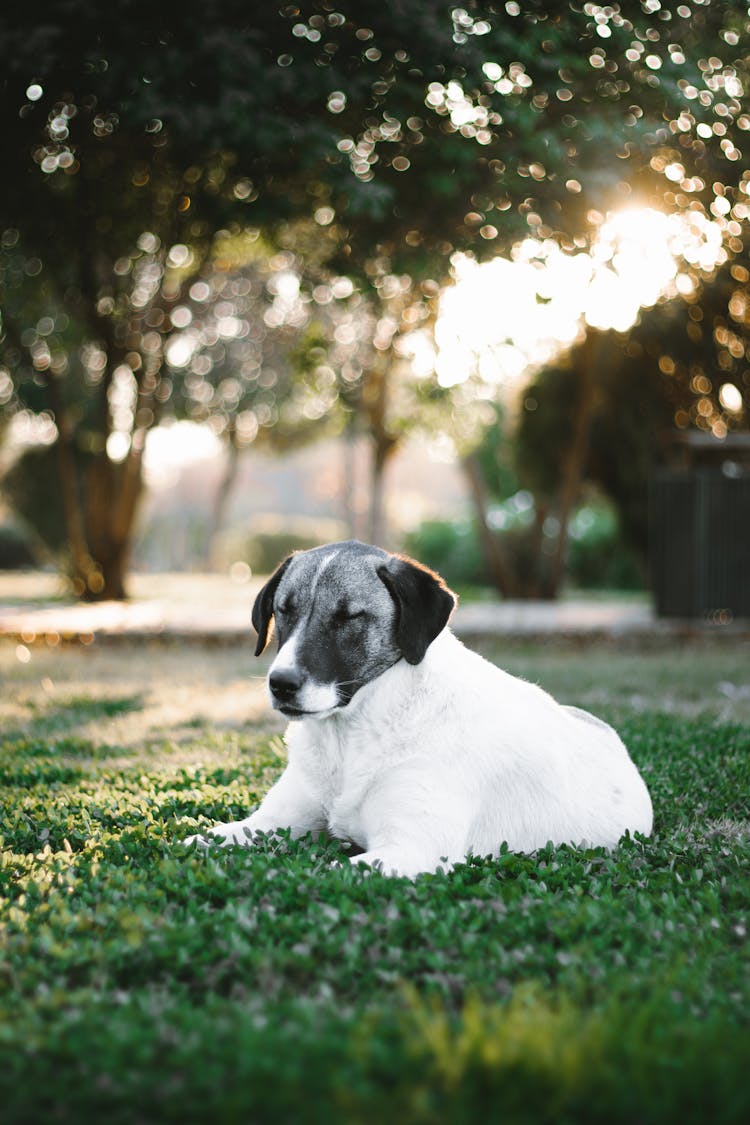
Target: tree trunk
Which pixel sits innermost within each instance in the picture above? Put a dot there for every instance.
(383, 449)
(116, 489)
(539, 582)
(575, 460)
(113, 493)
(124, 516)
(85, 575)
(375, 402)
(113, 570)
(348, 479)
(221, 501)
(497, 565)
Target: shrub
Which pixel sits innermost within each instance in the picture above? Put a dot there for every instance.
(270, 539)
(15, 550)
(597, 556)
(451, 548)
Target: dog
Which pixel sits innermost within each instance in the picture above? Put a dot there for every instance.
(410, 746)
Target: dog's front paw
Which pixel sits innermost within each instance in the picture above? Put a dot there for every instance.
(371, 861)
(400, 862)
(223, 835)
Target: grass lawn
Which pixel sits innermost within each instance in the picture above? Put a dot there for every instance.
(140, 982)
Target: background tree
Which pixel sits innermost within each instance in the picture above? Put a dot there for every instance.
(228, 361)
(361, 343)
(684, 365)
(128, 147)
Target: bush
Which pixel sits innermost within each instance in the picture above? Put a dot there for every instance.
(270, 539)
(31, 488)
(450, 548)
(597, 556)
(15, 550)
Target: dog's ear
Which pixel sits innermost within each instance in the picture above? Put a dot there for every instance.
(423, 605)
(263, 605)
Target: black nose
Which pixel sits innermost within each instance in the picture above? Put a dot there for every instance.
(285, 684)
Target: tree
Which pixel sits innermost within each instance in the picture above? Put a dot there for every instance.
(228, 359)
(683, 365)
(359, 341)
(245, 350)
(418, 129)
(113, 216)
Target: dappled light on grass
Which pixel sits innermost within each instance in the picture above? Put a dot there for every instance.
(133, 698)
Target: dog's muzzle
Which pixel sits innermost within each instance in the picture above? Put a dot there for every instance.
(295, 695)
(284, 686)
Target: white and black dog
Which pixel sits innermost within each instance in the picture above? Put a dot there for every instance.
(408, 744)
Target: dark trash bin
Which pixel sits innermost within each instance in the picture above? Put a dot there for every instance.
(700, 542)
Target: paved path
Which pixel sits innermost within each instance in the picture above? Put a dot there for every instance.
(211, 608)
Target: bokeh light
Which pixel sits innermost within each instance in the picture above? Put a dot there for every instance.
(509, 316)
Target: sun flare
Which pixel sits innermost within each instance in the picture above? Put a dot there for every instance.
(506, 317)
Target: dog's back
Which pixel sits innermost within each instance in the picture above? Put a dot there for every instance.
(541, 771)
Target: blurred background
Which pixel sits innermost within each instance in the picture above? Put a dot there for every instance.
(471, 283)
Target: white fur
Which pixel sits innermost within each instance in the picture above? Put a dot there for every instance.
(432, 762)
(286, 657)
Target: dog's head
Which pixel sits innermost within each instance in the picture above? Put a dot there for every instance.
(344, 614)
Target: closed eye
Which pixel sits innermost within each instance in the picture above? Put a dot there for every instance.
(341, 616)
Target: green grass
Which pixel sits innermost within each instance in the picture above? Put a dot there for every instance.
(140, 982)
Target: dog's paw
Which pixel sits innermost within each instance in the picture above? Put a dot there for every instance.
(370, 861)
(221, 835)
(197, 842)
(400, 863)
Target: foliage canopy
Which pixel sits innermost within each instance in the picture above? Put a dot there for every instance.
(501, 116)
(400, 132)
